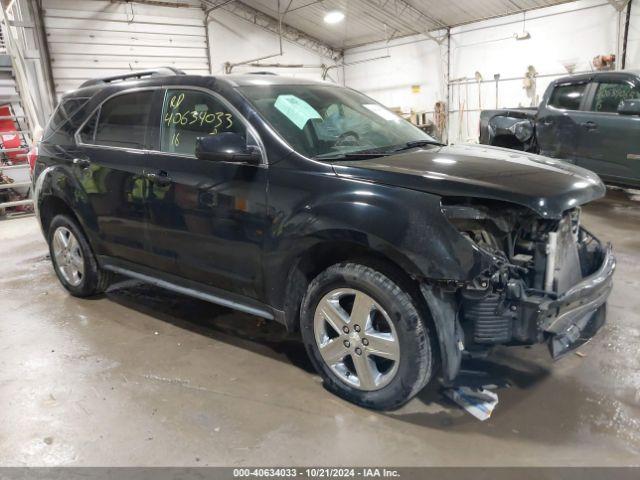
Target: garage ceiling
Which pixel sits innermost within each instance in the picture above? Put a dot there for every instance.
(374, 20)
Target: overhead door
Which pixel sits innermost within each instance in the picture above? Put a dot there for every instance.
(97, 38)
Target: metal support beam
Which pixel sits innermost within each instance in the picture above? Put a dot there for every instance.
(17, 203)
(7, 186)
(43, 50)
(27, 60)
(20, 166)
(275, 26)
(625, 37)
(446, 68)
(620, 51)
(420, 21)
(619, 5)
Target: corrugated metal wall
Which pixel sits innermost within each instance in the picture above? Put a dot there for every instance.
(96, 38)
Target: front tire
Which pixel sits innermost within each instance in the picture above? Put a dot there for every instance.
(73, 260)
(365, 337)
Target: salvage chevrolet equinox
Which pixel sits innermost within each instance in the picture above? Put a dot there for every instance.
(393, 255)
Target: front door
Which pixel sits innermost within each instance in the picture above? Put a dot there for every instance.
(557, 124)
(110, 165)
(206, 218)
(610, 142)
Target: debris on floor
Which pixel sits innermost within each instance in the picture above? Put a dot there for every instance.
(479, 402)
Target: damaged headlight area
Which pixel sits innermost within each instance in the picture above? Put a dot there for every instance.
(523, 130)
(548, 280)
(512, 130)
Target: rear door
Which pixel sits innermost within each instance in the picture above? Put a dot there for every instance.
(110, 166)
(609, 143)
(557, 125)
(207, 218)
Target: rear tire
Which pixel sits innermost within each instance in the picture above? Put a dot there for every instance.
(380, 359)
(73, 260)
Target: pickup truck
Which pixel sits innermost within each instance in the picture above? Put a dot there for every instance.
(591, 120)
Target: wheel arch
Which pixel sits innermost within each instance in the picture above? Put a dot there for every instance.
(49, 207)
(310, 262)
(56, 190)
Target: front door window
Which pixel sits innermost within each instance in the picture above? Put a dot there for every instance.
(609, 95)
(190, 114)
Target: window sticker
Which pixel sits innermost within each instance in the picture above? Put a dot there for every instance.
(381, 112)
(296, 110)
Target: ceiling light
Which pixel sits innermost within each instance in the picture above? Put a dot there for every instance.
(333, 17)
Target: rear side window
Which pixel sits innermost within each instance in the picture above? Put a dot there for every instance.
(63, 115)
(568, 97)
(609, 95)
(190, 114)
(120, 122)
(88, 132)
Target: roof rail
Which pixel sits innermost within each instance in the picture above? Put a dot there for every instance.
(156, 72)
(262, 73)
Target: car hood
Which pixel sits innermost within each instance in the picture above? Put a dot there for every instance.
(547, 186)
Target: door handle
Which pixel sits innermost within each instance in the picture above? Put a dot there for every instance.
(590, 125)
(82, 162)
(160, 178)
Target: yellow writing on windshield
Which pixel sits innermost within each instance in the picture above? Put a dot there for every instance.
(215, 119)
(176, 100)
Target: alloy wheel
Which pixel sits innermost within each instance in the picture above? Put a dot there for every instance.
(68, 256)
(356, 339)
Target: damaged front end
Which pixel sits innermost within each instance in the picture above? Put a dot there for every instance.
(548, 282)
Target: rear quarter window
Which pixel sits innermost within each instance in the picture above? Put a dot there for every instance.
(66, 118)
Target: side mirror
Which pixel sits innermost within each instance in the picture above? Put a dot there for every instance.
(629, 107)
(226, 147)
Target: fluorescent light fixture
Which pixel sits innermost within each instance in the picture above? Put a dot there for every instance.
(333, 17)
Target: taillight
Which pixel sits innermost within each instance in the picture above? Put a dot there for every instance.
(32, 156)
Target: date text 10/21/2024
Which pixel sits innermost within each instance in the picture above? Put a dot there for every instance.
(316, 472)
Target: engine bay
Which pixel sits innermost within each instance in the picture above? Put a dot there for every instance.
(535, 261)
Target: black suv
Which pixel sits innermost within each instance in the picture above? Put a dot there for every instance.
(315, 206)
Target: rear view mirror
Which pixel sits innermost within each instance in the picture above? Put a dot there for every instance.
(629, 107)
(226, 147)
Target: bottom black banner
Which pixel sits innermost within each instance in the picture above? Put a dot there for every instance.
(235, 473)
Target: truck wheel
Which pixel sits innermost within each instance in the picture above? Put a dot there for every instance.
(73, 261)
(365, 337)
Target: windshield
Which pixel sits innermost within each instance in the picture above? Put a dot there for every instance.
(324, 121)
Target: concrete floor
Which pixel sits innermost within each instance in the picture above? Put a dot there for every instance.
(142, 376)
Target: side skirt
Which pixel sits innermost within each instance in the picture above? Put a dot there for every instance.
(190, 288)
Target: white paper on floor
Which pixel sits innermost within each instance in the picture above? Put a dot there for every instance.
(479, 402)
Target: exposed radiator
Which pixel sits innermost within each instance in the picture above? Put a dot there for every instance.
(488, 325)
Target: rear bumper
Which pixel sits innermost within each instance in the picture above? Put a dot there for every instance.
(576, 315)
